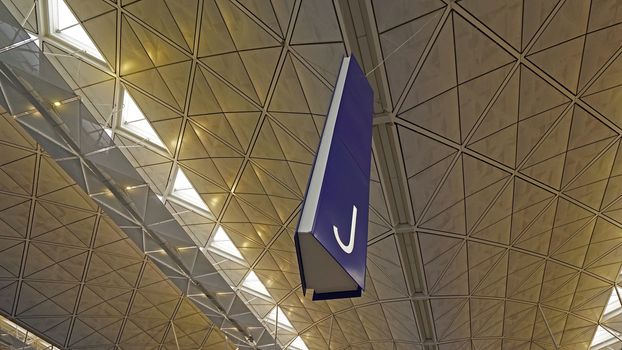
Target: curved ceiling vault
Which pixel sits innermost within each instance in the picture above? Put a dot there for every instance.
(496, 195)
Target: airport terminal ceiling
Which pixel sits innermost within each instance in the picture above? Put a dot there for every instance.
(496, 180)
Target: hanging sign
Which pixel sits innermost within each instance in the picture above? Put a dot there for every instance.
(331, 239)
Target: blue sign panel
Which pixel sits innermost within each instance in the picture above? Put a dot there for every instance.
(331, 239)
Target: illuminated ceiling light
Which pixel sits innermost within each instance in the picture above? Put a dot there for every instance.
(223, 245)
(254, 285)
(66, 27)
(283, 322)
(134, 121)
(57, 103)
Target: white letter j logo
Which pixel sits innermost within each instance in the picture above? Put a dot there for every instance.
(347, 248)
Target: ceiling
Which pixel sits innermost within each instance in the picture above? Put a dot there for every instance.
(70, 274)
(495, 210)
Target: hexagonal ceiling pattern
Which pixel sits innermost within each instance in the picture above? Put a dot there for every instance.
(495, 207)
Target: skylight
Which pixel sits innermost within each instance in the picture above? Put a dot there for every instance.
(254, 285)
(602, 337)
(614, 302)
(222, 244)
(35, 39)
(24, 335)
(298, 344)
(282, 319)
(134, 121)
(184, 191)
(108, 131)
(66, 26)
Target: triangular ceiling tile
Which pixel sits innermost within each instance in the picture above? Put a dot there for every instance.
(589, 187)
(447, 212)
(524, 276)
(588, 137)
(476, 54)
(482, 184)
(231, 68)
(158, 14)
(546, 163)
(228, 99)
(314, 24)
(535, 13)
(562, 62)
(531, 130)
(260, 65)
(439, 115)
(202, 100)
(214, 36)
(246, 34)
(569, 22)
(476, 94)
(504, 18)
(317, 93)
(176, 77)
(152, 81)
(159, 51)
(102, 30)
(401, 63)
(496, 222)
(600, 45)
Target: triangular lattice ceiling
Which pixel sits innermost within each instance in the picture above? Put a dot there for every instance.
(503, 125)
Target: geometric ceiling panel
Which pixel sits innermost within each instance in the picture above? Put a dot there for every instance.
(496, 190)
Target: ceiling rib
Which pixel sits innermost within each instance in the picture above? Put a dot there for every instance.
(29, 227)
(89, 255)
(364, 43)
(131, 302)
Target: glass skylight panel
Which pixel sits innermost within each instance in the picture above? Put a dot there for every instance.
(253, 284)
(24, 335)
(222, 244)
(600, 337)
(614, 302)
(184, 191)
(135, 122)
(35, 39)
(298, 344)
(67, 27)
(64, 17)
(108, 131)
(282, 319)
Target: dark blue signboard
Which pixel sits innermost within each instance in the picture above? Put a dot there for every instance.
(331, 240)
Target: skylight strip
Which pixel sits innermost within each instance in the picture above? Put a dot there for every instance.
(223, 245)
(278, 318)
(67, 28)
(134, 121)
(603, 337)
(253, 284)
(298, 344)
(185, 192)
